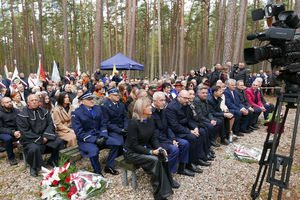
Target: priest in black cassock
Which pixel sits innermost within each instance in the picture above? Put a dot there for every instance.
(38, 135)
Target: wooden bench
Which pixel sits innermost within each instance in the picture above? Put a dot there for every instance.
(273, 89)
(20, 148)
(72, 153)
(120, 162)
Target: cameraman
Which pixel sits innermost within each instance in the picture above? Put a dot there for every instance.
(243, 74)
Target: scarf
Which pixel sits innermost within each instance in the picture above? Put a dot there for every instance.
(85, 81)
(100, 95)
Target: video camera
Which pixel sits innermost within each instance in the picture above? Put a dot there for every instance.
(283, 50)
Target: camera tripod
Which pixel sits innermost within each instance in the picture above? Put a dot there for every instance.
(277, 165)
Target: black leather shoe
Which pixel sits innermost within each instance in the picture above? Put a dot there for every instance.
(214, 144)
(111, 170)
(225, 141)
(13, 162)
(193, 168)
(245, 131)
(202, 162)
(52, 163)
(100, 173)
(254, 128)
(175, 184)
(33, 172)
(238, 134)
(212, 152)
(2, 149)
(186, 172)
(212, 155)
(209, 157)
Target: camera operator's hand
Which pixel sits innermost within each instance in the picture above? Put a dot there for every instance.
(100, 142)
(124, 131)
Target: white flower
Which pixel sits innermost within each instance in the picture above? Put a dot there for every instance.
(48, 193)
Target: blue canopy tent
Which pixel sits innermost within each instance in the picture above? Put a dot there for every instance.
(122, 63)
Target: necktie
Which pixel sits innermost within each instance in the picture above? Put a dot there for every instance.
(256, 100)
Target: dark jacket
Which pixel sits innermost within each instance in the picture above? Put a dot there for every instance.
(215, 76)
(202, 110)
(115, 119)
(35, 125)
(98, 76)
(243, 74)
(179, 120)
(141, 137)
(116, 79)
(232, 103)
(214, 106)
(71, 96)
(243, 98)
(26, 94)
(193, 77)
(87, 128)
(89, 85)
(8, 124)
(163, 132)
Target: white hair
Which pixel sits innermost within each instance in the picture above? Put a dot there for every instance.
(156, 94)
(230, 81)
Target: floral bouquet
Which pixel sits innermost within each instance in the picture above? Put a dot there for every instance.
(68, 183)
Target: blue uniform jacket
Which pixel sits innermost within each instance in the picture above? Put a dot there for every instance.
(232, 103)
(163, 132)
(214, 105)
(115, 119)
(179, 118)
(87, 128)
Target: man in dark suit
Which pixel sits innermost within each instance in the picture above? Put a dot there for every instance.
(214, 101)
(179, 121)
(24, 93)
(175, 147)
(91, 133)
(255, 112)
(115, 117)
(24, 81)
(212, 123)
(116, 78)
(66, 78)
(236, 108)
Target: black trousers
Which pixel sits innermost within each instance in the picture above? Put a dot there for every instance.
(33, 152)
(152, 165)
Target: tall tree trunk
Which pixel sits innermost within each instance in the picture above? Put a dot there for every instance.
(75, 34)
(220, 30)
(229, 34)
(109, 31)
(153, 41)
(206, 32)
(41, 31)
(82, 38)
(159, 40)
(181, 64)
(26, 27)
(132, 30)
(67, 61)
(116, 27)
(22, 41)
(91, 39)
(240, 33)
(15, 41)
(7, 62)
(98, 39)
(218, 5)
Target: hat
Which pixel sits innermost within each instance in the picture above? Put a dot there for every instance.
(178, 83)
(153, 87)
(113, 91)
(86, 95)
(206, 83)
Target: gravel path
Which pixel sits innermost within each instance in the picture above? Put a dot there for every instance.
(224, 179)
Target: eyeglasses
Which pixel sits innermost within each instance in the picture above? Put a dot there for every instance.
(185, 98)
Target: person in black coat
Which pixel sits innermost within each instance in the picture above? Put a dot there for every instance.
(91, 133)
(142, 148)
(255, 112)
(38, 135)
(97, 75)
(8, 126)
(243, 74)
(115, 116)
(24, 93)
(66, 79)
(214, 101)
(175, 147)
(183, 127)
(116, 78)
(212, 123)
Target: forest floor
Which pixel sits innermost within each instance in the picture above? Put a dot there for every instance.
(224, 179)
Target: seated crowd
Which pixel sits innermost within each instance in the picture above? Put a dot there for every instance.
(179, 116)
